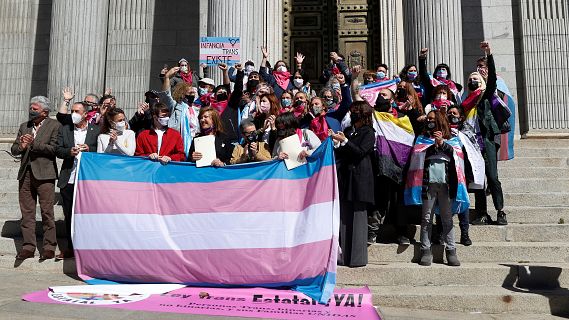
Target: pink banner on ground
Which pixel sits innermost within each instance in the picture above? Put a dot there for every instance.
(251, 303)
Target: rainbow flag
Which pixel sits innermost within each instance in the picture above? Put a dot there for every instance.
(394, 141)
(369, 92)
(250, 225)
(414, 184)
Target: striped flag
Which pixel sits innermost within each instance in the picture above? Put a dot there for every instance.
(414, 185)
(394, 141)
(370, 91)
(258, 224)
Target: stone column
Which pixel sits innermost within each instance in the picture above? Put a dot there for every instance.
(129, 48)
(78, 47)
(436, 24)
(392, 34)
(17, 39)
(257, 22)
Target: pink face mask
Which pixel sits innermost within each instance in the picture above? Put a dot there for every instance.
(264, 107)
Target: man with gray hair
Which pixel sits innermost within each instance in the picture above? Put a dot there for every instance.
(36, 142)
(253, 149)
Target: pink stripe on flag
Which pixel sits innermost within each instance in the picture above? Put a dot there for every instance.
(221, 266)
(414, 178)
(273, 195)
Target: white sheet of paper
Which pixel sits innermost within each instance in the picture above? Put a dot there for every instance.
(291, 146)
(126, 289)
(206, 146)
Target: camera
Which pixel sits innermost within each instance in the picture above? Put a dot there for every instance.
(252, 137)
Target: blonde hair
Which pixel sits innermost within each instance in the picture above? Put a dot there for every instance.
(480, 79)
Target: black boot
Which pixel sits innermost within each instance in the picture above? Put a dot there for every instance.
(501, 218)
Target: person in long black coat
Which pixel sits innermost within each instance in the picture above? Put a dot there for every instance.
(354, 149)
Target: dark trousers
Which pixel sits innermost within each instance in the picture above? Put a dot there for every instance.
(67, 197)
(353, 234)
(491, 163)
(387, 197)
(30, 190)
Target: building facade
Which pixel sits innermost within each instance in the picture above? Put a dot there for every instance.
(123, 44)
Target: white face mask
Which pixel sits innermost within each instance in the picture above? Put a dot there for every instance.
(282, 69)
(184, 69)
(441, 96)
(76, 118)
(298, 82)
(120, 126)
(164, 121)
(249, 69)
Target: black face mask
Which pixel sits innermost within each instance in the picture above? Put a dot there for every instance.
(401, 94)
(221, 97)
(151, 101)
(190, 99)
(355, 117)
(252, 84)
(473, 85)
(382, 108)
(34, 115)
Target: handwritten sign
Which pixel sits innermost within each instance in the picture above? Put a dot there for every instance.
(216, 50)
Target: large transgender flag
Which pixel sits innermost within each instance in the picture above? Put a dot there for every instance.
(137, 221)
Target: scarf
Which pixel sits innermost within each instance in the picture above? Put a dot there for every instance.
(282, 79)
(219, 106)
(319, 126)
(472, 100)
(439, 103)
(93, 116)
(187, 77)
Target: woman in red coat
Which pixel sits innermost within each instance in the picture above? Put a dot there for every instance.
(160, 143)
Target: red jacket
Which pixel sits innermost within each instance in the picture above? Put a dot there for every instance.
(172, 144)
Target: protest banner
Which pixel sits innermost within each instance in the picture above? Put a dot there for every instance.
(251, 302)
(216, 50)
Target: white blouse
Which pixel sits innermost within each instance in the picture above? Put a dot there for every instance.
(125, 143)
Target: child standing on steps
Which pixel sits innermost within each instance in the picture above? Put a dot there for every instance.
(436, 177)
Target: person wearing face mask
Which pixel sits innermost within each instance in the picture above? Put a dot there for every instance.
(354, 150)
(142, 118)
(281, 79)
(321, 122)
(268, 109)
(286, 101)
(441, 99)
(115, 137)
(248, 68)
(409, 104)
(410, 74)
(36, 143)
(301, 85)
(211, 124)
(73, 139)
(185, 74)
(478, 107)
(160, 143)
(286, 125)
(205, 88)
(441, 76)
(381, 73)
(91, 102)
(253, 82)
(336, 65)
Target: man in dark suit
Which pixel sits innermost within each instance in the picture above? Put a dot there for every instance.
(36, 142)
(73, 139)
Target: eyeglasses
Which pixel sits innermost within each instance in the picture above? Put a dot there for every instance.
(90, 104)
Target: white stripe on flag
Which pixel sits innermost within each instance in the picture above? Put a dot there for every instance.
(204, 231)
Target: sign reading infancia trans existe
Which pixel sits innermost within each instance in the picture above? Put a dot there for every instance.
(216, 50)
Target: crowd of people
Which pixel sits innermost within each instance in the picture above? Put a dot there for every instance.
(252, 110)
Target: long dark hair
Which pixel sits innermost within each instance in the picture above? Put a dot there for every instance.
(108, 118)
(440, 66)
(365, 110)
(441, 124)
(289, 122)
(405, 77)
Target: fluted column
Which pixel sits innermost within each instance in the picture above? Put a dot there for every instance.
(257, 22)
(436, 24)
(392, 34)
(78, 46)
(17, 38)
(129, 48)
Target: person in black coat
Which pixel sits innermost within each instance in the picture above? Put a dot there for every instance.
(354, 149)
(210, 124)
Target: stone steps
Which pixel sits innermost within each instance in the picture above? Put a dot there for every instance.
(529, 162)
(541, 152)
(468, 274)
(475, 299)
(516, 252)
(544, 173)
(536, 185)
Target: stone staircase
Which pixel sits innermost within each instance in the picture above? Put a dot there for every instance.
(519, 268)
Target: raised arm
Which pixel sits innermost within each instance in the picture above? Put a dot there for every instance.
(167, 77)
(356, 83)
(492, 77)
(225, 70)
(67, 95)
